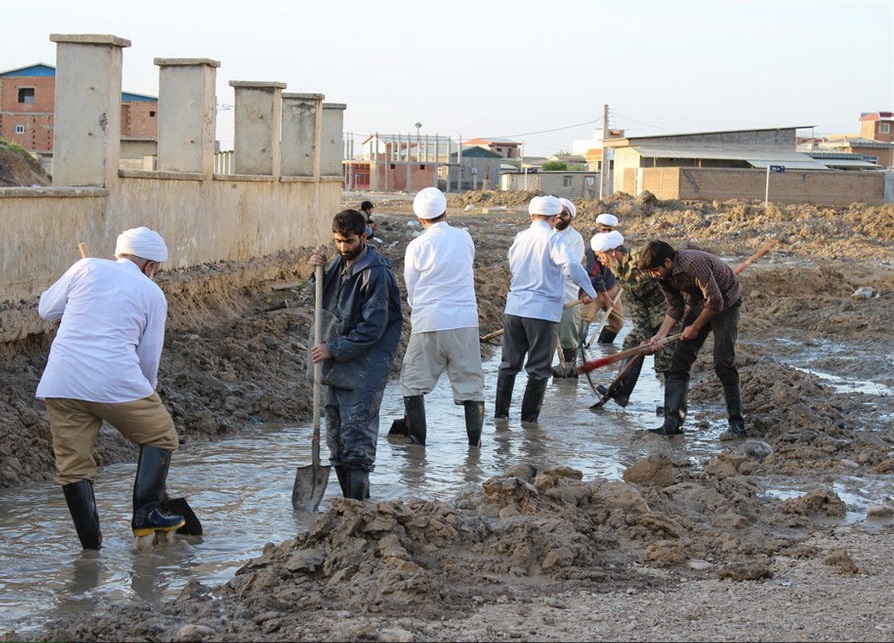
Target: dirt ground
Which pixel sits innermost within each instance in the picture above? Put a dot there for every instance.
(671, 552)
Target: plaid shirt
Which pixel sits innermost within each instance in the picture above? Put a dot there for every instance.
(708, 281)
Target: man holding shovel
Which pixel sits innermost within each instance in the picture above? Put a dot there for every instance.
(647, 309)
(440, 279)
(360, 330)
(715, 297)
(569, 327)
(103, 365)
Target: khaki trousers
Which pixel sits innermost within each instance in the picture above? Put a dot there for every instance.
(75, 426)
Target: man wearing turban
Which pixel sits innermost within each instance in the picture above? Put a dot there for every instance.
(103, 365)
(440, 280)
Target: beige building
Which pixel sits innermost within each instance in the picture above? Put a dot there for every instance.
(736, 164)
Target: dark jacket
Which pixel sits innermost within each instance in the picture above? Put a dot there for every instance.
(362, 321)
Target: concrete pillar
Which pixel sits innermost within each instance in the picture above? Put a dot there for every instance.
(87, 127)
(332, 153)
(302, 127)
(257, 125)
(187, 109)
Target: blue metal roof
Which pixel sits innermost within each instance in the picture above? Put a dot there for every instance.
(40, 69)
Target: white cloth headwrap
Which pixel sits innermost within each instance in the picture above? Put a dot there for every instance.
(142, 242)
(545, 206)
(568, 204)
(605, 241)
(429, 203)
(607, 219)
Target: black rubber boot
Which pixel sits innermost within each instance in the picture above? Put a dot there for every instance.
(358, 484)
(474, 421)
(342, 475)
(505, 384)
(148, 490)
(733, 399)
(82, 507)
(674, 408)
(414, 408)
(533, 399)
(606, 336)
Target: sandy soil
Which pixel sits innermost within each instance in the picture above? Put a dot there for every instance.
(671, 552)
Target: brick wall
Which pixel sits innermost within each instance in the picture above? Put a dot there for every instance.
(36, 118)
(792, 186)
(139, 119)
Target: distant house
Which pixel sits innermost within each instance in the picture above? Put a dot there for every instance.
(27, 114)
(476, 168)
(735, 164)
(398, 162)
(506, 148)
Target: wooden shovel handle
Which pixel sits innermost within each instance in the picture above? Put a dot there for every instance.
(82, 248)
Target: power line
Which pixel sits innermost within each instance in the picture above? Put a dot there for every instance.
(547, 131)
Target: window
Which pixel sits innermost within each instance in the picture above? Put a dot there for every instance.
(26, 95)
(151, 114)
(20, 129)
(884, 128)
(567, 181)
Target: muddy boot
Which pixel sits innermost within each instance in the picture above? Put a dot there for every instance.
(533, 399)
(505, 384)
(358, 484)
(342, 475)
(570, 369)
(674, 408)
(414, 407)
(474, 421)
(733, 399)
(148, 490)
(584, 333)
(606, 336)
(82, 507)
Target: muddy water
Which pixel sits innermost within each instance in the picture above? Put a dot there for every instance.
(241, 490)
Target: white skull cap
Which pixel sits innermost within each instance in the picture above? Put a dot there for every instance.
(545, 206)
(607, 219)
(568, 204)
(142, 242)
(605, 241)
(430, 203)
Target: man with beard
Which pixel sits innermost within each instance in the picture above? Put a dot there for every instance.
(361, 328)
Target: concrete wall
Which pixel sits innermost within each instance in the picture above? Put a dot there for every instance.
(792, 186)
(205, 218)
(584, 185)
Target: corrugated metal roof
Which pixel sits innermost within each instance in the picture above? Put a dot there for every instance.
(756, 156)
(852, 163)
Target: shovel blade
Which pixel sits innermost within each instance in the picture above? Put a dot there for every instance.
(399, 427)
(310, 485)
(179, 507)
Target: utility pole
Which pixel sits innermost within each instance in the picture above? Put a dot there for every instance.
(603, 173)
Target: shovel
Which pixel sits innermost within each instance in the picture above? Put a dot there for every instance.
(310, 482)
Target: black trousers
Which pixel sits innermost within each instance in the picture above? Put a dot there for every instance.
(725, 327)
(534, 338)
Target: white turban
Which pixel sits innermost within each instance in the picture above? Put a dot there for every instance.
(142, 242)
(545, 206)
(607, 219)
(429, 203)
(568, 204)
(605, 241)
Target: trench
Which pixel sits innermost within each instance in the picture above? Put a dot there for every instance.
(241, 490)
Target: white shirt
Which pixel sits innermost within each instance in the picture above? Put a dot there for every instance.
(576, 244)
(540, 261)
(110, 338)
(440, 279)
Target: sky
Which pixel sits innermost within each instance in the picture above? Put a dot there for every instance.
(536, 72)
